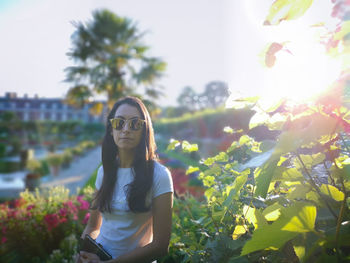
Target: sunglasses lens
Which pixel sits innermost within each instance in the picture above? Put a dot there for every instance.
(117, 123)
(136, 124)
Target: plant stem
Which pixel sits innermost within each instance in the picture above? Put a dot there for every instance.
(312, 182)
(341, 213)
(329, 174)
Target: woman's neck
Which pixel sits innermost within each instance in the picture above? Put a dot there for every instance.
(126, 158)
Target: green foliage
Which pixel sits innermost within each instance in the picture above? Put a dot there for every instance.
(66, 252)
(267, 201)
(206, 123)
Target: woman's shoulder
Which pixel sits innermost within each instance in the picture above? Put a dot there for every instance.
(160, 169)
(162, 180)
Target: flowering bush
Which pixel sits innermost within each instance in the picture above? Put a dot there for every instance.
(32, 226)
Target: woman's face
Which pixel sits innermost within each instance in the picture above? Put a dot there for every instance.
(127, 138)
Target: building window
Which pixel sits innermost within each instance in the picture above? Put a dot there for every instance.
(27, 105)
(42, 105)
(25, 116)
(47, 115)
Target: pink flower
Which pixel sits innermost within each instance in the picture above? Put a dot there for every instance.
(52, 221)
(86, 218)
(30, 207)
(84, 205)
(71, 206)
(3, 240)
(63, 212)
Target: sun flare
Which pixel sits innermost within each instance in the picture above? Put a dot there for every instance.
(301, 74)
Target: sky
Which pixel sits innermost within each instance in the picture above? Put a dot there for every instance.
(200, 40)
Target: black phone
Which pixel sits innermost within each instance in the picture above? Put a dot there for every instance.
(90, 245)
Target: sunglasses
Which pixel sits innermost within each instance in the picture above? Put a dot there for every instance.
(135, 124)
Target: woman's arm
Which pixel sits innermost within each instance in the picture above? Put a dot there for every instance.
(93, 226)
(162, 213)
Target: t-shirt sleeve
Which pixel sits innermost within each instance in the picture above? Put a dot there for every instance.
(162, 180)
(99, 178)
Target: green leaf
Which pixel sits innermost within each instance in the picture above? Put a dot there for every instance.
(299, 251)
(228, 129)
(303, 131)
(267, 237)
(191, 169)
(343, 32)
(244, 139)
(289, 174)
(286, 10)
(221, 157)
(241, 103)
(239, 230)
(187, 147)
(263, 177)
(299, 191)
(234, 189)
(208, 180)
(214, 170)
(173, 144)
(302, 218)
(254, 216)
(233, 146)
(332, 192)
(209, 161)
(310, 160)
(209, 193)
(296, 219)
(272, 212)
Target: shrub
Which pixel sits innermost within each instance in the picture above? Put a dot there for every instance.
(36, 223)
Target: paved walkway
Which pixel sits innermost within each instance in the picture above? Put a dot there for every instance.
(73, 177)
(77, 174)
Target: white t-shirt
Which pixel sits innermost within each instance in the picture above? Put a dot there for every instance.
(122, 230)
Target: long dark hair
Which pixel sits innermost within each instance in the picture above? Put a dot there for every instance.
(143, 163)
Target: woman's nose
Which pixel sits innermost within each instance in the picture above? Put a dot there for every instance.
(126, 126)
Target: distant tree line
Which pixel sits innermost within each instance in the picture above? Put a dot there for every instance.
(214, 95)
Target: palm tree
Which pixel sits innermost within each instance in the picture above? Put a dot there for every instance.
(110, 59)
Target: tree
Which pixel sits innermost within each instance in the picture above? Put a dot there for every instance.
(110, 59)
(214, 95)
(188, 99)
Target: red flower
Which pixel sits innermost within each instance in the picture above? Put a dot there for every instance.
(52, 221)
(30, 207)
(3, 240)
(18, 202)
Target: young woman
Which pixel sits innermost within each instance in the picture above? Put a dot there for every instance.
(131, 213)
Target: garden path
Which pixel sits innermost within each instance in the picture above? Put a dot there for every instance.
(77, 174)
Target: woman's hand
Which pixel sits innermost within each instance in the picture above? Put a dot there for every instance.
(86, 257)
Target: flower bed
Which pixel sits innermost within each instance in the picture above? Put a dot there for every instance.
(34, 225)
